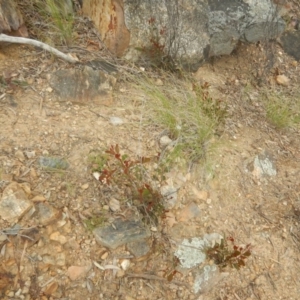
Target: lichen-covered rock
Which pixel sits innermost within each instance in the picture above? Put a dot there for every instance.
(90, 83)
(188, 31)
(11, 20)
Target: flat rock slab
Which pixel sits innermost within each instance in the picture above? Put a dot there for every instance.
(291, 43)
(139, 248)
(46, 213)
(120, 233)
(82, 85)
(14, 203)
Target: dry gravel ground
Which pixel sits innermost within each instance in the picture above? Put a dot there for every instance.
(263, 211)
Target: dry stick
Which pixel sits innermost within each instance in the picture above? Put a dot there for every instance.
(154, 277)
(20, 40)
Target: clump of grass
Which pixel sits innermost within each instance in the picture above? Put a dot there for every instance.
(59, 21)
(187, 111)
(281, 110)
(97, 160)
(95, 221)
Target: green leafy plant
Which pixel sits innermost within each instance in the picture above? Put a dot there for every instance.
(227, 253)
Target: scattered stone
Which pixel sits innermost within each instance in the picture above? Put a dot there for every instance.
(206, 278)
(3, 237)
(263, 165)
(202, 195)
(30, 154)
(56, 236)
(104, 255)
(120, 273)
(138, 249)
(13, 230)
(125, 264)
(164, 141)
(26, 188)
(85, 186)
(170, 196)
(51, 288)
(282, 80)
(190, 211)
(49, 260)
(116, 121)
(120, 232)
(19, 155)
(60, 259)
(71, 245)
(49, 89)
(153, 228)
(14, 203)
(53, 162)
(170, 219)
(114, 204)
(46, 213)
(38, 198)
(33, 173)
(77, 272)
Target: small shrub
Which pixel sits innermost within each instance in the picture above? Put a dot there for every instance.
(229, 254)
(129, 175)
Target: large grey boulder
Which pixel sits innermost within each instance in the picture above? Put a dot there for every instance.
(186, 30)
(11, 19)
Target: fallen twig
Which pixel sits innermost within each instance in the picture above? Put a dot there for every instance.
(154, 277)
(21, 40)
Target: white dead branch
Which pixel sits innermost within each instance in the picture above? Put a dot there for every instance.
(21, 40)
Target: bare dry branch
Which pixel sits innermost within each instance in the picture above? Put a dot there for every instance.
(21, 40)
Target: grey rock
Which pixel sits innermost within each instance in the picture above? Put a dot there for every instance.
(120, 232)
(138, 249)
(82, 85)
(291, 43)
(14, 203)
(196, 29)
(11, 19)
(191, 252)
(263, 165)
(206, 278)
(46, 214)
(53, 163)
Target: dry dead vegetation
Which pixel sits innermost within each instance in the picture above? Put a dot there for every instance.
(218, 120)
